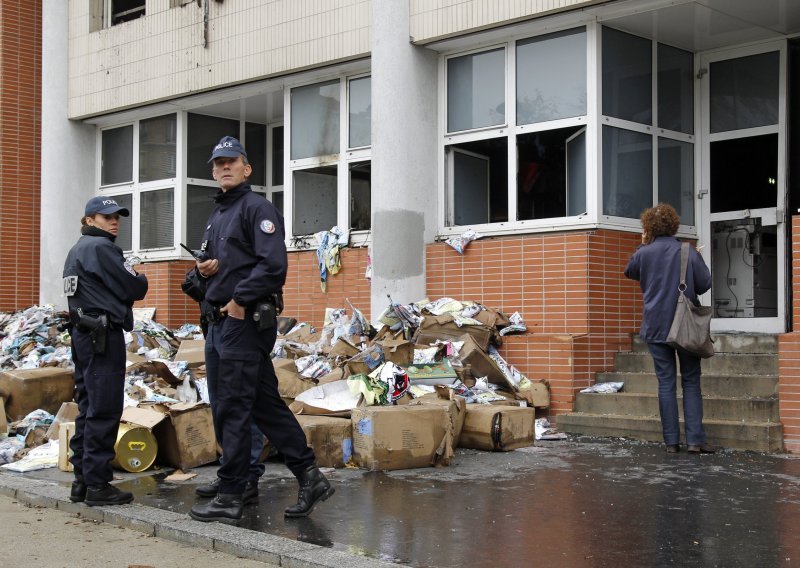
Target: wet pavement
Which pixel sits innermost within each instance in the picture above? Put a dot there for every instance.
(581, 502)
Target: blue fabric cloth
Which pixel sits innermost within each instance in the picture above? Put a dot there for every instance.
(657, 267)
(666, 372)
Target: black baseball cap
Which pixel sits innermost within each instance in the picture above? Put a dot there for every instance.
(105, 206)
(228, 147)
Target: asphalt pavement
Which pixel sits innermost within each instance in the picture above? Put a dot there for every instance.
(582, 502)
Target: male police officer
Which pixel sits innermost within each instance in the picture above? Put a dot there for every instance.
(100, 288)
(246, 271)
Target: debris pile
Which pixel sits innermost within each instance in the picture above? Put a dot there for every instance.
(403, 391)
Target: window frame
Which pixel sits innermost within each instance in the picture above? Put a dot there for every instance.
(511, 130)
(341, 161)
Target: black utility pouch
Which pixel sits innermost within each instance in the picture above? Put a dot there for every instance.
(266, 316)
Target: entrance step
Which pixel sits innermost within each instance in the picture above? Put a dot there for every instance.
(740, 396)
(755, 436)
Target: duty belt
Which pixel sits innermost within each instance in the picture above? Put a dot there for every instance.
(213, 315)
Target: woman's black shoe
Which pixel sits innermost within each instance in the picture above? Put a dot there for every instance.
(107, 494)
(224, 508)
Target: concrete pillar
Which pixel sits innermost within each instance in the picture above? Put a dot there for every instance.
(68, 156)
(404, 150)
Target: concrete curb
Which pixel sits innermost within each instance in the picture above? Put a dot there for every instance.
(178, 527)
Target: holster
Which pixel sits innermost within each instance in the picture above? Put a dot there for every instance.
(95, 326)
(266, 315)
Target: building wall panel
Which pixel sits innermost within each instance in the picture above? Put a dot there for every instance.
(162, 56)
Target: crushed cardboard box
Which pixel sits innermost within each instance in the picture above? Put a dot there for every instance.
(399, 437)
(290, 382)
(497, 428)
(331, 439)
(26, 390)
(443, 327)
(65, 432)
(67, 413)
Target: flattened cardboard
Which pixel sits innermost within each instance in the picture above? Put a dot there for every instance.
(65, 432)
(398, 437)
(398, 351)
(67, 413)
(26, 390)
(193, 351)
(497, 428)
(290, 382)
(331, 439)
(3, 419)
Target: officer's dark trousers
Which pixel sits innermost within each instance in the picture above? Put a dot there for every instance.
(247, 391)
(99, 392)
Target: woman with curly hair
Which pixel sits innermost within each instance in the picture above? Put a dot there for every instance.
(656, 264)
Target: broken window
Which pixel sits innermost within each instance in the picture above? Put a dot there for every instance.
(540, 164)
(125, 10)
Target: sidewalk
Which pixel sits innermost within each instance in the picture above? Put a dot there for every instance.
(50, 538)
(578, 503)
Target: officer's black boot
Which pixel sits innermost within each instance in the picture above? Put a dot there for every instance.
(78, 492)
(314, 487)
(225, 508)
(106, 495)
(249, 497)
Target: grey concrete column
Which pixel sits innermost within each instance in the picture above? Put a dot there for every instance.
(404, 150)
(68, 156)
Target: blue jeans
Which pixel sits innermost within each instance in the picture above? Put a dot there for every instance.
(666, 372)
(257, 468)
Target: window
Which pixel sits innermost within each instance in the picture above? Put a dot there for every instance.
(157, 138)
(641, 165)
(199, 205)
(329, 187)
(116, 160)
(119, 11)
(125, 235)
(476, 90)
(540, 163)
(275, 192)
(157, 219)
(203, 133)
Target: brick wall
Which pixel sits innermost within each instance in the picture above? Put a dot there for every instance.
(173, 307)
(20, 131)
(789, 356)
(569, 289)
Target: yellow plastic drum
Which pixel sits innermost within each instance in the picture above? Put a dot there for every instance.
(136, 448)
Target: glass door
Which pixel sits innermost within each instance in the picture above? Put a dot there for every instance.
(743, 186)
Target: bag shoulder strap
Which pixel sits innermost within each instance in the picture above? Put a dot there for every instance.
(684, 265)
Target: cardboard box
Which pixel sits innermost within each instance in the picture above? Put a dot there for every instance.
(443, 327)
(3, 419)
(26, 390)
(398, 437)
(535, 393)
(67, 413)
(480, 364)
(193, 351)
(331, 439)
(365, 361)
(497, 428)
(456, 408)
(184, 432)
(65, 433)
(398, 351)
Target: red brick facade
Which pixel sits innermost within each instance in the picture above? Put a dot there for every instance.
(20, 131)
(789, 356)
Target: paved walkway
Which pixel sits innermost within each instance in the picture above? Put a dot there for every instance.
(49, 538)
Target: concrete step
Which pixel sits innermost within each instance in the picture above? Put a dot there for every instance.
(720, 364)
(731, 343)
(759, 386)
(714, 408)
(755, 436)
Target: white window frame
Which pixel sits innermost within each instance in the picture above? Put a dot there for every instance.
(340, 160)
(653, 131)
(510, 130)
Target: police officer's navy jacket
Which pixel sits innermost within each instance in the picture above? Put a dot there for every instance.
(657, 267)
(245, 232)
(105, 282)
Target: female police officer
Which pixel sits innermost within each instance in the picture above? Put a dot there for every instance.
(100, 288)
